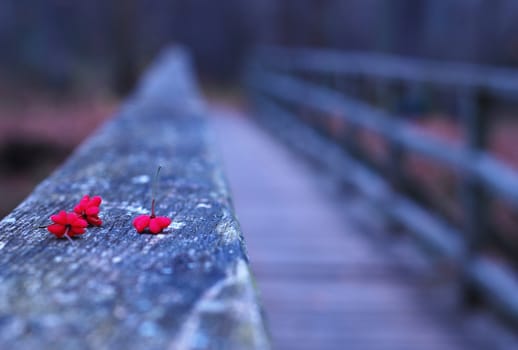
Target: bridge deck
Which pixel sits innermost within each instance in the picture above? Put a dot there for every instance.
(325, 283)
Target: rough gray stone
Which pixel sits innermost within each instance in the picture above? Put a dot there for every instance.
(189, 288)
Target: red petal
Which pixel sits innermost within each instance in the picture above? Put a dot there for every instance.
(78, 209)
(60, 218)
(163, 221)
(141, 222)
(77, 220)
(71, 218)
(154, 226)
(75, 231)
(84, 201)
(57, 230)
(96, 200)
(92, 211)
(142, 218)
(94, 220)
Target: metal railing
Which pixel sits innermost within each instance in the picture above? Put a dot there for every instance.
(287, 83)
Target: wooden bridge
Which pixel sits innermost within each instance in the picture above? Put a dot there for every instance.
(330, 276)
(332, 233)
(345, 112)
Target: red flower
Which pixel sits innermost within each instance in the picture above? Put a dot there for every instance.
(155, 224)
(88, 209)
(67, 225)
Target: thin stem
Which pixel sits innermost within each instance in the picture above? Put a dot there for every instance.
(67, 236)
(153, 191)
(153, 207)
(69, 239)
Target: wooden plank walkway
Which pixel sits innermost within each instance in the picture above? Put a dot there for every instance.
(325, 284)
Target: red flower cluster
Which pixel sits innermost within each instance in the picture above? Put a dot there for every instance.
(67, 225)
(152, 223)
(88, 209)
(155, 224)
(86, 212)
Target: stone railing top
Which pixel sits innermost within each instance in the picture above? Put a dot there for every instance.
(189, 288)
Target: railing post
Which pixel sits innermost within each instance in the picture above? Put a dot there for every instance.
(474, 108)
(348, 85)
(387, 97)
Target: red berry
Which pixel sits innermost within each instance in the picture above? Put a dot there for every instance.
(67, 224)
(141, 222)
(153, 224)
(88, 209)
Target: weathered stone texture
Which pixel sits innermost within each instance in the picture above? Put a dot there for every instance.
(189, 288)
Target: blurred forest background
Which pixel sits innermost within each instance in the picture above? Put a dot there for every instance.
(64, 64)
(67, 43)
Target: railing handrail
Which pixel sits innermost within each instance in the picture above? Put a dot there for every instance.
(116, 287)
(275, 83)
(498, 81)
(497, 176)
